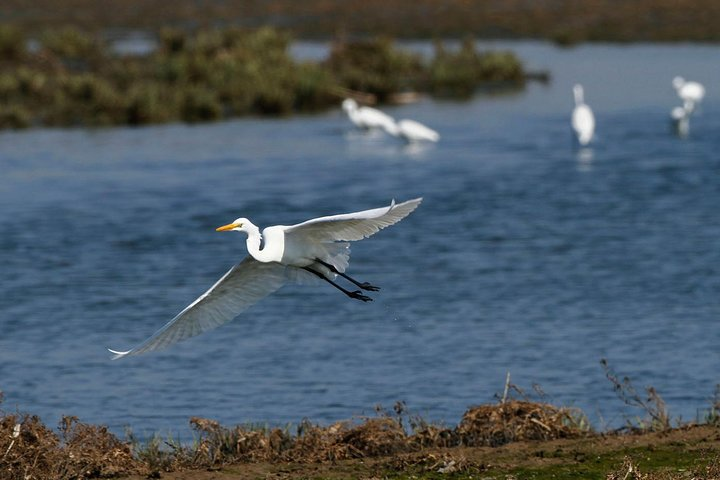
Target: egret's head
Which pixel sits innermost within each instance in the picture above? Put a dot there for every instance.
(238, 225)
(678, 113)
(578, 93)
(678, 82)
(349, 105)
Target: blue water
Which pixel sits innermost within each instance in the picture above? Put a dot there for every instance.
(526, 256)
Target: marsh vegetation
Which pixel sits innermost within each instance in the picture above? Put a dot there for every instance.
(71, 77)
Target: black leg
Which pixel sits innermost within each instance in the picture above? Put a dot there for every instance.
(363, 285)
(356, 294)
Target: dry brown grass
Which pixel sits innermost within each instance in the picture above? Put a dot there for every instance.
(390, 441)
(31, 451)
(485, 425)
(518, 420)
(313, 443)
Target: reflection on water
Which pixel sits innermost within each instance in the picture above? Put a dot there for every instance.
(585, 158)
(417, 150)
(526, 256)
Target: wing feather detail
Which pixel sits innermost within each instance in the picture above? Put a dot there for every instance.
(242, 286)
(350, 227)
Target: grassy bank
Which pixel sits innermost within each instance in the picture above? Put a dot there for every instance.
(516, 438)
(71, 77)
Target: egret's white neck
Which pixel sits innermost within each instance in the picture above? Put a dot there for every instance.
(578, 91)
(254, 241)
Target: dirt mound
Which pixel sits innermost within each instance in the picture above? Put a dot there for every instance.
(516, 420)
(313, 443)
(31, 451)
(485, 425)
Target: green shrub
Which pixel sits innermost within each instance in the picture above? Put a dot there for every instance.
(12, 43)
(31, 83)
(9, 86)
(455, 74)
(460, 73)
(238, 87)
(84, 87)
(313, 88)
(209, 74)
(150, 102)
(374, 66)
(84, 99)
(172, 41)
(69, 43)
(500, 67)
(200, 104)
(15, 116)
(171, 69)
(273, 99)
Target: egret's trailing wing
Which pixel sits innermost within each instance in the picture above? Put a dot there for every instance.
(242, 286)
(350, 227)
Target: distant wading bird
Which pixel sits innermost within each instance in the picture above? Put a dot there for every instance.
(315, 249)
(583, 120)
(367, 118)
(412, 131)
(680, 118)
(691, 93)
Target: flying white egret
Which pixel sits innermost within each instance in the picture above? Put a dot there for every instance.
(583, 120)
(412, 131)
(680, 117)
(691, 93)
(315, 249)
(367, 118)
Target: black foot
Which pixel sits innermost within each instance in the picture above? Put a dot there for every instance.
(369, 287)
(358, 295)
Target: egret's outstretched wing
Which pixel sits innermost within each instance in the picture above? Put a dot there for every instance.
(245, 284)
(349, 227)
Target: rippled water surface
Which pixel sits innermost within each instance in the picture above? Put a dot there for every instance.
(525, 256)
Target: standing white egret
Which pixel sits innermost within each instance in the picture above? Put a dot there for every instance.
(367, 118)
(691, 93)
(412, 131)
(680, 117)
(317, 248)
(583, 120)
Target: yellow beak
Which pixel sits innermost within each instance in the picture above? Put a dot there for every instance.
(227, 227)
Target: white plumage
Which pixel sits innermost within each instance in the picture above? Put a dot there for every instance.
(583, 120)
(412, 131)
(680, 118)
(315, 249)
(367, 118)
(691, 93)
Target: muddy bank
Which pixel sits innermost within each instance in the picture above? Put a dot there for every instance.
(520, 438)
(684, 453)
